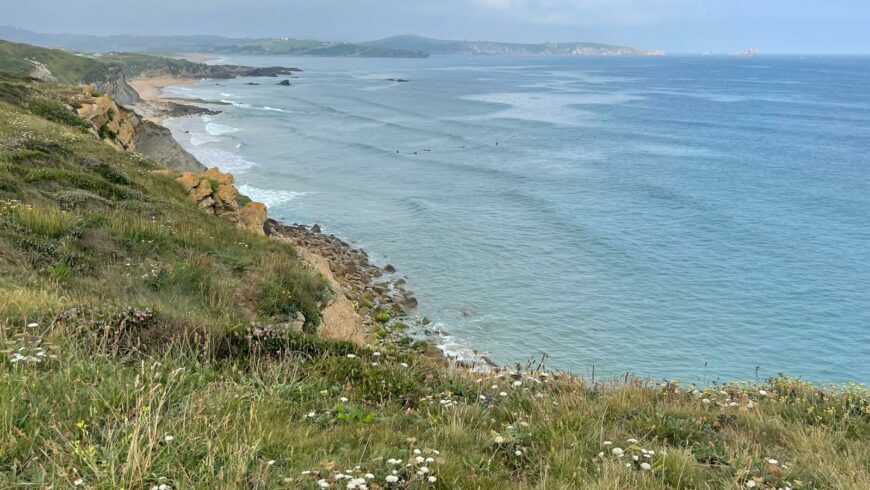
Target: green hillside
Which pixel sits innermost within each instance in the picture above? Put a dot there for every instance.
(67, 67)
(143, 345)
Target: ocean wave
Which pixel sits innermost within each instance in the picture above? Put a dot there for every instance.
(236, 104)
(273, 109)
(227, 161)
(216, 129)
(270, 197)
(197, 139)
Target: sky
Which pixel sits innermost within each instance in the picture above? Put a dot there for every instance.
(677, 26)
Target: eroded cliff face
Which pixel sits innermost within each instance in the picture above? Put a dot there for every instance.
(125, 130)
(114, 83)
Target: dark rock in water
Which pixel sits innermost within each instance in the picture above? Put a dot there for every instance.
(252, 83)
(390, 268)
(467, 313)
(315, 228)
(400, 80)
(426, 320)
(182, 110)
(285, 83)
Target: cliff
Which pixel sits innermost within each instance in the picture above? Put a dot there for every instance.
(125, 130)
(146, 341)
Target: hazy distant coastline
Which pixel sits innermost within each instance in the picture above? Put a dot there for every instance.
(405, 46)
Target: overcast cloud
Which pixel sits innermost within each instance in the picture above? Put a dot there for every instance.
(774, 26)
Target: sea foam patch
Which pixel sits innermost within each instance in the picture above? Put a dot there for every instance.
(217, 129)
(270, 197)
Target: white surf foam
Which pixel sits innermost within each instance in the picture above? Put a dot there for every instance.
(216, 129)
(270, 197)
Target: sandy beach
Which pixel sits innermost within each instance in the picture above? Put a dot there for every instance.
(154, 107)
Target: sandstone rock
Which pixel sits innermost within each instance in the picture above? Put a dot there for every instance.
(201, 191)
(216, 175)
(252, 217)
(188, 180)
(225, 199)
(207, 204)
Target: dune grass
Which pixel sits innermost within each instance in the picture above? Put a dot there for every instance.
(141, 346)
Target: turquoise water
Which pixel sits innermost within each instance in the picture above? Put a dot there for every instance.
(671, 217)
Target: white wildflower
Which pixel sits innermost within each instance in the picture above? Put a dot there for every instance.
(632, 441)
(617, 451)
(78, 482)
(322, 483)
(645, 466)
(270, 462)
(518, 383)
(351, 356)
(32, 325)
(518, 452)
(432, 479)
(392, 479)
(417, 451)
(169, 438)
(773, 461)
(343, 399)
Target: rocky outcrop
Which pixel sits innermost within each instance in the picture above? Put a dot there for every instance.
(157, 143)
(362, 283)
(112, 82)
(125, 130)
(214, 193)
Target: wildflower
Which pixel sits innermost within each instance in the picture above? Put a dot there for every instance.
(617, 451)
(311, 415)
(351, 356)
(601, 454)
(494, 387)
(78, 482)
(518, 383)
(645, 466)
(356, 483)
(32, 325)
(423, 470)
(499, 440)
(322, 483)
(432, 479)
(394, 461)
(632, 441)
(518, 452)
(403, 364)
(417, 451)
(377, 354)
(607, 443)
(305, 473)
(169, 438)
(762, 393)
(430, 460)
(773, 462)
(270, 462)
(420, 459)
(750, 484)
(368, 476)
(502, 394)
(343, 399)
(392, 479)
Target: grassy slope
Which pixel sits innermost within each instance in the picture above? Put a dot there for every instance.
(159, 380)
(67, 67)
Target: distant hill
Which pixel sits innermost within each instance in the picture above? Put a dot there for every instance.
(445, 47)
(201, 44)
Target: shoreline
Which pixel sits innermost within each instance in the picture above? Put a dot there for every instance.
(364, 292)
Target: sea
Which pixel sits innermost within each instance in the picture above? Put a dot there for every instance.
(683, 217)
